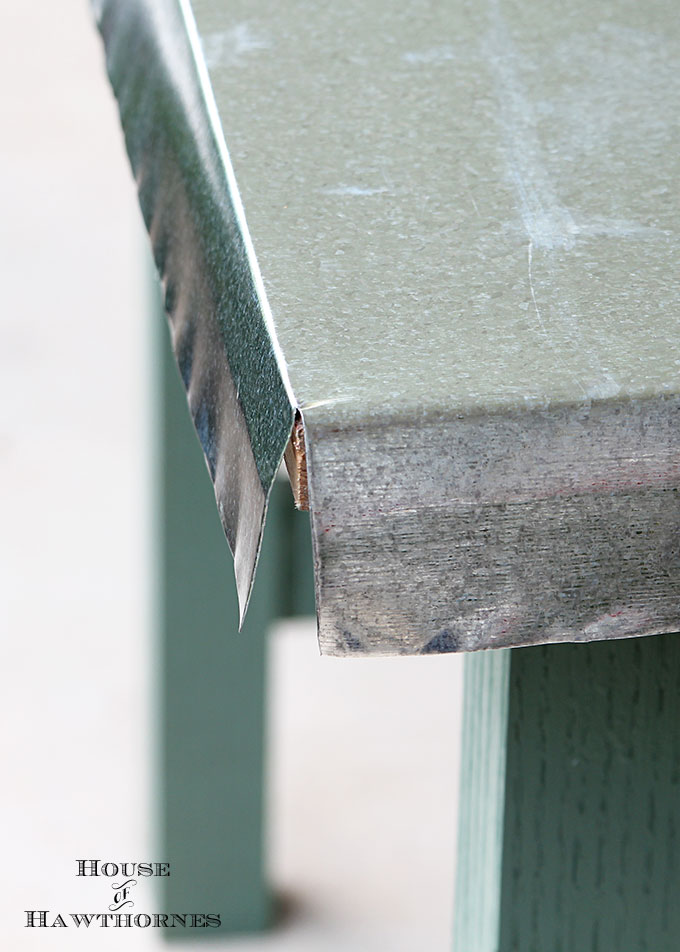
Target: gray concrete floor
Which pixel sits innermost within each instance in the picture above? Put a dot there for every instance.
(363, 754)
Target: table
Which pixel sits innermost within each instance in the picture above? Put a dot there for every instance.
(442, 246)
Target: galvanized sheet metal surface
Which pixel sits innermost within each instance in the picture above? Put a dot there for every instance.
(465, 216)
(549, 525)
(460, 207)
(236, 382)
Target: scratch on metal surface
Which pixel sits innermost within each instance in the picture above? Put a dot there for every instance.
(547, 222)
(530, 248)
(436, 54)
(354, 190)
(544, 330)
(227, 47)
(324, 403)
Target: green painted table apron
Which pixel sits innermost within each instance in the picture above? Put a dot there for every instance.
(443, 238)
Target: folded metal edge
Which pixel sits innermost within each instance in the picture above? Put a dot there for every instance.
(496, 530)
(222, 330)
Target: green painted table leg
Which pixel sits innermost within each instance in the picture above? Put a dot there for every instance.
(570, 799)
(212, 681)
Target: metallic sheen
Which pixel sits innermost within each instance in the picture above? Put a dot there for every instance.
(227, 359)
(465, 216)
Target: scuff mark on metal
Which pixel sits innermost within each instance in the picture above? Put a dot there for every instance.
(547, 222)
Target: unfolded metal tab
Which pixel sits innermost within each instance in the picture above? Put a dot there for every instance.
(235, 380)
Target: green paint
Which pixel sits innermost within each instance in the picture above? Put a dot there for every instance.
(592, 802)
(482, 799)
(296, 570)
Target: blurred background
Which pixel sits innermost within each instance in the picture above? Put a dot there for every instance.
(363, 754)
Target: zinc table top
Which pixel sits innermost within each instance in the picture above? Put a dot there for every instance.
(444, 238)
